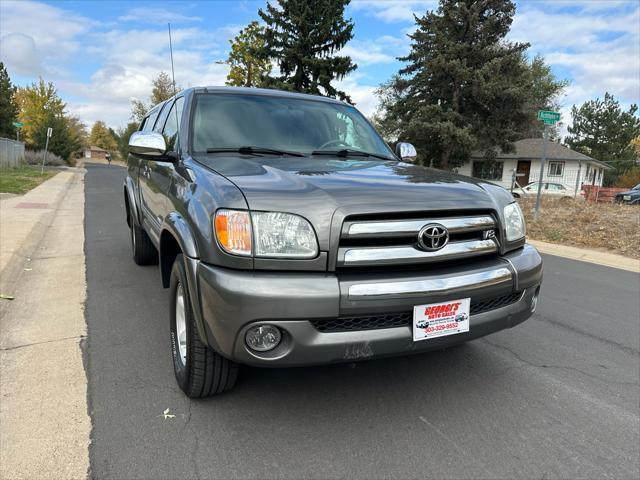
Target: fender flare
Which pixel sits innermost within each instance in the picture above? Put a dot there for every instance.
(175, 225)
(133, 205)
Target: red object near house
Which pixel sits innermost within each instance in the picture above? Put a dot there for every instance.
(594, 193)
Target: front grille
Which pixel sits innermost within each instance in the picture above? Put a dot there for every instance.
(392, 320)
(386, 242)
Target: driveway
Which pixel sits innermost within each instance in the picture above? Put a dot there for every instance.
(556, 396)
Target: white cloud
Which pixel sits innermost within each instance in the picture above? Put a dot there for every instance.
(54, 34)
(20, 54)
(156, 15)
(394, 10)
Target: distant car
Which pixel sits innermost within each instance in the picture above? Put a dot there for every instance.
(461, 317)
(631, 197)
(548, 188)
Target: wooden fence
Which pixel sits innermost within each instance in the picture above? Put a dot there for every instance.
(11, 153)
(596, 194)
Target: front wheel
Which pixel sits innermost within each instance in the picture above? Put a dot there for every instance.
(200, 372)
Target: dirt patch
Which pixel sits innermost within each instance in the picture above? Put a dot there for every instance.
(601, 226)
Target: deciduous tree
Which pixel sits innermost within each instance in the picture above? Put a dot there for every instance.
(37, 104)
(103, 137)
(247, 68)
(162, 90)
(303, 37)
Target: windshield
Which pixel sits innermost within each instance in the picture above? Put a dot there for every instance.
(232, 121)
(637, 187)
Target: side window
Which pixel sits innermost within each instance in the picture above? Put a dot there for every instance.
(161, 118)
(172, 125)
(151, 119)
(142, 124)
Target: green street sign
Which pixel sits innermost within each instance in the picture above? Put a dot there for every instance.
(18, 124)
(549, 118)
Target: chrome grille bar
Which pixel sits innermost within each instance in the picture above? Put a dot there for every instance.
(391, 228)
(362, 291)
(402, 255)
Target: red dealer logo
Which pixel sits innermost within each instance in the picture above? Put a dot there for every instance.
(441, 311)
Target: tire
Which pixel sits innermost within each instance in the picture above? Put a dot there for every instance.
(144, 252)
(200, 372)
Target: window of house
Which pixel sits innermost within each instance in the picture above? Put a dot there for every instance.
(555, 169)
(488, 170)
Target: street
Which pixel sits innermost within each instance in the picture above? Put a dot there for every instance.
(556, 396)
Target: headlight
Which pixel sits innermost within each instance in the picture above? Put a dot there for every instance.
(283, 235)
(513, 222)
(265, 234)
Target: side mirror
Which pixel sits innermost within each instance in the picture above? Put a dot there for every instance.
(147, 144)
(406, 152)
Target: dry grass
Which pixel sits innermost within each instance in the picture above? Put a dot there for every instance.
(600, 226)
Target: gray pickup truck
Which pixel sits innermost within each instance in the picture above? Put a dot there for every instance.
(290, 234)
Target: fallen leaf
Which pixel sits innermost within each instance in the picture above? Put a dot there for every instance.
(6, 297)
(166, 414)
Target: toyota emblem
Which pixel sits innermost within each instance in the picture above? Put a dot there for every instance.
(433, 237)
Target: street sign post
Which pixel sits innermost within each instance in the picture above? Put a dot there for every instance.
(18, 126)
(46, 146)
(549, 118)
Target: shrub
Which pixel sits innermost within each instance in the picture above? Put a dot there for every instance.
(629, 179)
(34, 157)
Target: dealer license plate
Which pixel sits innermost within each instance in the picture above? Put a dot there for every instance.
(626, 197)
(441, 319)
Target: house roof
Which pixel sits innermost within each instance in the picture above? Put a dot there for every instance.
(531, 149)
(97, 149)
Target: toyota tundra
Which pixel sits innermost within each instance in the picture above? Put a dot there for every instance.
(290, 234)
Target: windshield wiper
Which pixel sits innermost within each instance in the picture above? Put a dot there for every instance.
(347, 152)
(254, 150)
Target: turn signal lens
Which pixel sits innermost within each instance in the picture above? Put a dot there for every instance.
(233, 231)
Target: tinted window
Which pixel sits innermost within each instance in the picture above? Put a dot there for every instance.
(232, 121)
(172, 124)
(161, 118)
(151, 119)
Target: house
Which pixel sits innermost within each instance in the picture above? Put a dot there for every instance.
(96, 153)
(562, 165)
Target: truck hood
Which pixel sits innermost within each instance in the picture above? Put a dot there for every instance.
(318, 187)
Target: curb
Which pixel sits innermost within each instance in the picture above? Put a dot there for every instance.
(611, 260)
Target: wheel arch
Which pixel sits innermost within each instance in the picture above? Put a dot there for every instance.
(175, 237)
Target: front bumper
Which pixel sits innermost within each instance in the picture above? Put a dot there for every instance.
(228, 302)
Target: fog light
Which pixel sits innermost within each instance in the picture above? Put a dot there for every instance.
(263, 338)
(534, 300)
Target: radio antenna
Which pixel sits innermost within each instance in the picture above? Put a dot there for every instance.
(175, 100)
(173, 73)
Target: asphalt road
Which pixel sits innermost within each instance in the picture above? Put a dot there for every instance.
(557, 396)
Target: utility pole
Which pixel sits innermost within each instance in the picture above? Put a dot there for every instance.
(46, 146)
(549, 118)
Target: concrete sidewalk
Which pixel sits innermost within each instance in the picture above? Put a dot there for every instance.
(44, 423)
(586, 255)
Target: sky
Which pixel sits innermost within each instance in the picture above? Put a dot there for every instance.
(102, 54)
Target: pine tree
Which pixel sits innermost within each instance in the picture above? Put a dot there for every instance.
(602, 130)
(464, 86)
(8, 109)
(303, 37)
